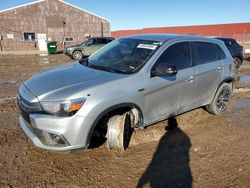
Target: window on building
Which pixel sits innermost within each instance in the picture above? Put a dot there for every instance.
(29, 36)
(69, 39)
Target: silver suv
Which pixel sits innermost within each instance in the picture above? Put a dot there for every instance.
(132, 82)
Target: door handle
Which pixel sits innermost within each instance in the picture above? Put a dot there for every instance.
(218, 69)
(190, 79)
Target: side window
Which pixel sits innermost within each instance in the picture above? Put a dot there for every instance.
(89, 42)
(109, 40)
(95, 41)
(100, 41)
(176, 55)
(220, 52)
(206, 52)
(228, 43)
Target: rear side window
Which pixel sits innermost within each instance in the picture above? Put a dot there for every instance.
(205, 52)
(102, 41)
(176, 55)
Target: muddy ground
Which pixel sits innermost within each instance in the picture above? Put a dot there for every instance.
(203, 151)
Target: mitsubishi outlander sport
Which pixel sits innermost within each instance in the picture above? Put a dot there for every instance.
(132, 82)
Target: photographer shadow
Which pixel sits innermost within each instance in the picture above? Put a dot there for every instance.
(170, 164)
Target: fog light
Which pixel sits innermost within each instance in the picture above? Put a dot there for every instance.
(58, 139)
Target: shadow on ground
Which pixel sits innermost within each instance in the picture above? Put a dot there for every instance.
(170, 164)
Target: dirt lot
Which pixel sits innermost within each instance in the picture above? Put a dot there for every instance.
(203, 151)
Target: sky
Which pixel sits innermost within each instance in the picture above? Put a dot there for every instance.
(137, 14)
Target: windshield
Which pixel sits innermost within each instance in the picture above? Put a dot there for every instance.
(83, 43)
(123, 55)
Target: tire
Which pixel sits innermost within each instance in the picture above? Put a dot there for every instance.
(238, 62)
(77, 55)
(221, 99)
(119, 132)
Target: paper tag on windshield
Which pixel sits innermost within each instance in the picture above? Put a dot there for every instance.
(147, 46)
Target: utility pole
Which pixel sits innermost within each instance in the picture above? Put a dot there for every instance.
(1, 38)
(101, 28)
(63, 34)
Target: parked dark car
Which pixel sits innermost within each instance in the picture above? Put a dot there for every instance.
(235, 50)
(87, 47)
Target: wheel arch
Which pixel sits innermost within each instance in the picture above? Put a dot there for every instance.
(229, 80)
(113, 109)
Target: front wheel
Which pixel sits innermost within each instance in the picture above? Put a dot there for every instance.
(221, 99)
(77, 55)
(119, 132)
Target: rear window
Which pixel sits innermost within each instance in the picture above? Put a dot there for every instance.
(229, 42)
(205, 52)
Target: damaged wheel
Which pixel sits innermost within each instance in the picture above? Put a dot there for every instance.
(119, 131)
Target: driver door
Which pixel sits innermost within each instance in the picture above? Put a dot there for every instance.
(171, 95)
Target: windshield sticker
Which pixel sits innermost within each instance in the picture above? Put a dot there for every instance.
(147, 46)
(157, 43)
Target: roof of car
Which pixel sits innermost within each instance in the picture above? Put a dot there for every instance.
(221, 38)
(102, 38)
(159, 37)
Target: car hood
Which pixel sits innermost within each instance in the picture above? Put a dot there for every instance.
(73, 46)
(66, 81)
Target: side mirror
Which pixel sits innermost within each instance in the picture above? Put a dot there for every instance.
(164, 70)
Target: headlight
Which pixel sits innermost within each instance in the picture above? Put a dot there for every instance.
(63, 108)
(69, 49)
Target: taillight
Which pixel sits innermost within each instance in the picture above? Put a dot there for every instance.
(241, 47)
(236, 64)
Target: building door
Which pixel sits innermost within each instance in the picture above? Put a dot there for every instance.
(42, 42)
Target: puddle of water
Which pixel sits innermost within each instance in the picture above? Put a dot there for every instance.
(245, 79)
(238, 105)
(242, 103)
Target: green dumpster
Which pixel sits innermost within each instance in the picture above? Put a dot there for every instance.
(52, 47)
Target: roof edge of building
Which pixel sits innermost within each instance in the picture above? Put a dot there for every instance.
(181, 26)
(62, 1)
(23, 5)
(84, 10)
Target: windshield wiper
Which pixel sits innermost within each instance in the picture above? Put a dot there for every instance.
(108, 69)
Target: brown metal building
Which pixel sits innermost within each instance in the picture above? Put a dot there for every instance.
(239, 31)
(31, 26)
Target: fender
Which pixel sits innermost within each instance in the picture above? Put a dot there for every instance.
(226, 80)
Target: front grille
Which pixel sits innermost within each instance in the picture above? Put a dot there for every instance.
(24, 114)
(26, 108)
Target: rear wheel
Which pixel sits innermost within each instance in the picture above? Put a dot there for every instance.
(119, 131)
(77, 55)
(221, 99)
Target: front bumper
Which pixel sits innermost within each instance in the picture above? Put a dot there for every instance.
(68, 52)
(73, 131)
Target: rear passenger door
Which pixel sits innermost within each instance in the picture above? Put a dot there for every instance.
(208, 60)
